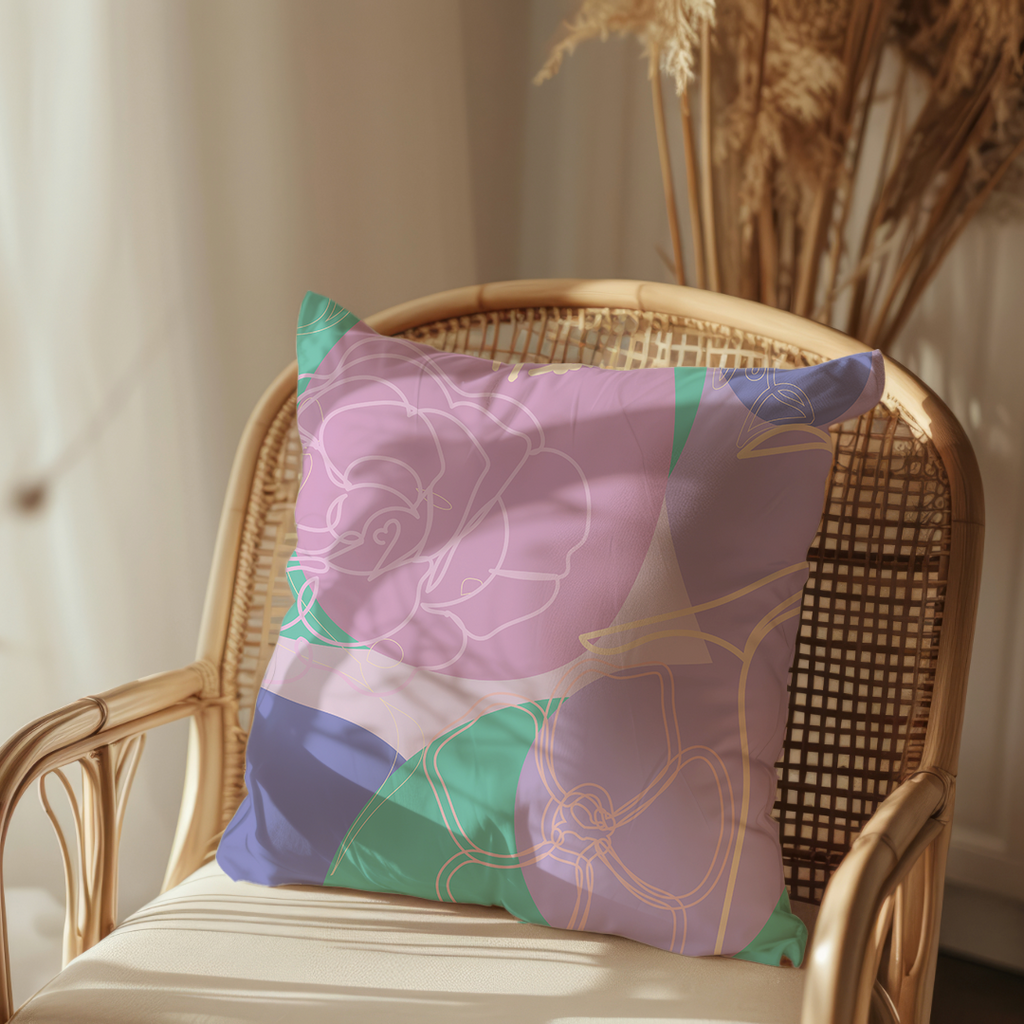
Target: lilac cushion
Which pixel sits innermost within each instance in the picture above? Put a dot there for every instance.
(544, 618)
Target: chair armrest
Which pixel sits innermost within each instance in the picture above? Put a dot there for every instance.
(841, 970)
(85, 731)
(106, 712)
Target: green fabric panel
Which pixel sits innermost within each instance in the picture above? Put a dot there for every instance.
(298, 630)
(321, 323)
(784, 934)
(689, 388)
(403, 840)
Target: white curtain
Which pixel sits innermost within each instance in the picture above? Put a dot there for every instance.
(174, 174)
(102, 323)
(173, 177)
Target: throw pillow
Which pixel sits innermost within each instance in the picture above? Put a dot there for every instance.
(544, 617)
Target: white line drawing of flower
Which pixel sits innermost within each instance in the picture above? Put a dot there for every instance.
(426, 493)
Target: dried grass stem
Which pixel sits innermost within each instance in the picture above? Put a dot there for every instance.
(789, 93)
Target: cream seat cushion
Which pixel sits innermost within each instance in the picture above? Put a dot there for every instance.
(214, 950)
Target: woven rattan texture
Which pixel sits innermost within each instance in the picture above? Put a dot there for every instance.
(864, 667)
(261, 593)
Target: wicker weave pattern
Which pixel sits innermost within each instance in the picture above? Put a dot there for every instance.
(261, 595)
(862, 677)
(864, 667)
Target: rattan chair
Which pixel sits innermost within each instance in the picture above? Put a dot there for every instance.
(866, 783)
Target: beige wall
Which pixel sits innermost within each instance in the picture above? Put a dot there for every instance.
(965, 340)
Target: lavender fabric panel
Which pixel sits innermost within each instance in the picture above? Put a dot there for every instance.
(741, 536)
(454, 513)
(626, 812)
(736, 520)
(747, 520)
(308, 774)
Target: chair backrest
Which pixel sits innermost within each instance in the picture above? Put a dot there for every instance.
(888, 611)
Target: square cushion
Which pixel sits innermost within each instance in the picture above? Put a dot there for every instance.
(544, 617)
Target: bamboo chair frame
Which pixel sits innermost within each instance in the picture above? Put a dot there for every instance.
(880, 668)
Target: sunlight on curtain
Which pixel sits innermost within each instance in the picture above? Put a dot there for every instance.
(99, 410)
(98, 355)
(174, 174)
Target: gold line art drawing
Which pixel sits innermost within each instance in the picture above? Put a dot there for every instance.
(586, 639)
(579, 822)
(782, 612)
(755, 448)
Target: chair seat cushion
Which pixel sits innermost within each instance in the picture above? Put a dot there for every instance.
(216, 950)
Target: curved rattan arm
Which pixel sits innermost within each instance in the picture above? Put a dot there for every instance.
(91, 730)
(856, 911)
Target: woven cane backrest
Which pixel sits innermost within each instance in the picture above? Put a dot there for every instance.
(864, 668)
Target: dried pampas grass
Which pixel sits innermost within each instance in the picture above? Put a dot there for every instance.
(668, 31)
(914, 106)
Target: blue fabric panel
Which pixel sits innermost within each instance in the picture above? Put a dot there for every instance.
(815, 395)
(309, 774)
